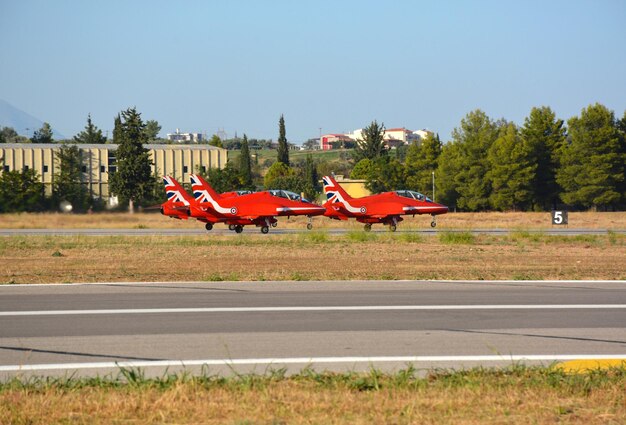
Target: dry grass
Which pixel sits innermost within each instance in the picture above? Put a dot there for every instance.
(519, 396)
(310, 256)
(508, 220)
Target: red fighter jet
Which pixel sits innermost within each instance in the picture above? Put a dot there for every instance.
(386, 208)
(258, 208)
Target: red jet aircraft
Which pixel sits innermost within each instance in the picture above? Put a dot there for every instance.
(383, 208)
(237, 209)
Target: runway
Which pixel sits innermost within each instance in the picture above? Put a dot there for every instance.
(279, 231)
(251, 326)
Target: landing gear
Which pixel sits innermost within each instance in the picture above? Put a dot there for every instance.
(434, 222)
(264, 229)
(392, 227)
(274, 224)
(231, 227)
(367, 227)
(309, 226)
(208, 226)
(238, 228)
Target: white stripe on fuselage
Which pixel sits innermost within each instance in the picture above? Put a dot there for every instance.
(207, 198)
(346, 204)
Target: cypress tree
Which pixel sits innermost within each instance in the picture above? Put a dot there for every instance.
(133, 180)
(245, 164)
(117, 130)
(283, 147)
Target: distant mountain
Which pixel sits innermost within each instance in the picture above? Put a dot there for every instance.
(23, 123)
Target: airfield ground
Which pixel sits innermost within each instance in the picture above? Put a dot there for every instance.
(314, 255)
(311, 256)
(517, 395)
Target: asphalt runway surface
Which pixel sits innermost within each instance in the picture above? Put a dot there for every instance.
(222, 327)
(222, 230)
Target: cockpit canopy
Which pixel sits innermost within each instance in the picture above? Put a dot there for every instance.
(288, 195)
(411, 194)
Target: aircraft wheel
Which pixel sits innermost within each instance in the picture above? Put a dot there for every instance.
(238, 229)
(208, 226)
(433, 223)
(265, 229)
(309, 226)
(392, 227)
(231, 227)
(274, 224)
(367, 227)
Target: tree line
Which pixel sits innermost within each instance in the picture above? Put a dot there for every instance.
(488, 165)
(498, 165)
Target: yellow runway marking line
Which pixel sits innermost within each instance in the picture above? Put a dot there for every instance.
(574, 366)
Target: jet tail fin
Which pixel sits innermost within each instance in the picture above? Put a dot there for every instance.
(175, 192)
(202, 191)
(333, 189)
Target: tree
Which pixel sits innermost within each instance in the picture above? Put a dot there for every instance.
(67, 184)
(448, 168)
(421, 161)
(511, 170)
(372, 145)
(362, 169)
(43, 135)
(118, 132)
(283, 146)
(133, 180)
(474, 138)
(21, 191)
(152, 130)
(91, 134)
(592, 162)
(223, 180)
(311, 144)
(545, 135)
(311, 178)
(277, 170)
(245, 165)
(386, 174)
(216, 141)
(8, 135)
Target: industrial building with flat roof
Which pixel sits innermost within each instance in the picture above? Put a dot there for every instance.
(99, 161)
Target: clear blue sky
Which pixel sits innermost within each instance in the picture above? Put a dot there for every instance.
(338, 65)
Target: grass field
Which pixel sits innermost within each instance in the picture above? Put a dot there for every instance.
(490, 220)
(315, 255)
(517, 395)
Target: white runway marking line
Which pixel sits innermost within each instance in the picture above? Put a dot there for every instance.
(315, 309)
(312, 360)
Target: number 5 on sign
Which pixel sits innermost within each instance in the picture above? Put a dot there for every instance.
(559, 217)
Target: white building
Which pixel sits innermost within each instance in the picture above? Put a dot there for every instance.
(185, 137)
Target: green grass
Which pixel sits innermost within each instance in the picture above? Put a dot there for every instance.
(371, 381)
(457, 238)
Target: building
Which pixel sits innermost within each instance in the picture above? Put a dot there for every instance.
(333, 141)
(185, 137)
(393, 137)
(99, 161)
(355, 187)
